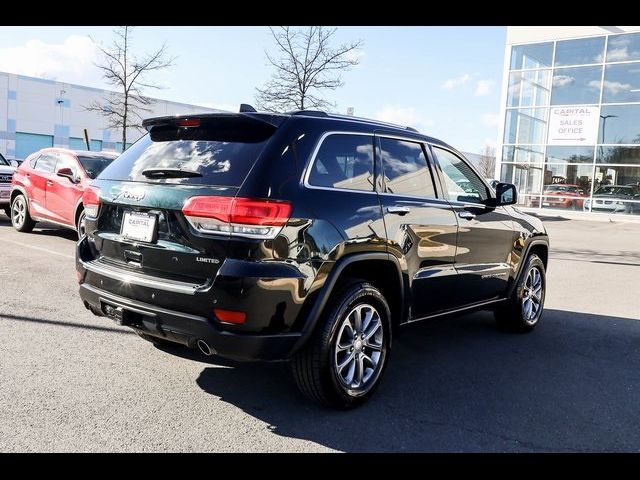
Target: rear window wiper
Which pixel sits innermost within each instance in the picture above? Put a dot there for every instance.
(169, 173)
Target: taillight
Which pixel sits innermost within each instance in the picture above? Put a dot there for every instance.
(237, 216)
(230, 316)
(91, 201)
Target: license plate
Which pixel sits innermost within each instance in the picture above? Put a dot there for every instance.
(139, 226)
(545, 204)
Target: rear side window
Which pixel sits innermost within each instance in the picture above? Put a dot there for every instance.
(46, 163)
(220, 153)
(406, 171)
(94, 165)
(344, 161)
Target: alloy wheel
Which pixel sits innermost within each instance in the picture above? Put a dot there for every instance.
(359, 348)
(532, 297)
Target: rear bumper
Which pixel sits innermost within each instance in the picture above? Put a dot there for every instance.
(187, 329)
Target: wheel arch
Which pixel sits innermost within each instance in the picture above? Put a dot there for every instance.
(378, 268)
(538, 246)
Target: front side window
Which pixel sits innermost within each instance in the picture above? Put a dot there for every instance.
(66, 162)
(406, 171)
(344, 161)
(461, 184)
(46, 163)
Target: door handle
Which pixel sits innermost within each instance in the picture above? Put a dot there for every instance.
(49, 183)
(466, 214)
(398, 210)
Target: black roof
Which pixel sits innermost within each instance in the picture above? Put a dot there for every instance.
(277, 119)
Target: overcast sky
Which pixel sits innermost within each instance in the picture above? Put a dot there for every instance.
(445, 81)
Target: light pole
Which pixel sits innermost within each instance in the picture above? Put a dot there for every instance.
(604, 123)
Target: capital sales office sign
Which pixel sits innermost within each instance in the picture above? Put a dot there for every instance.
(573, 125)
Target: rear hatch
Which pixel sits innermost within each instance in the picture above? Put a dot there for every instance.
(156, 199)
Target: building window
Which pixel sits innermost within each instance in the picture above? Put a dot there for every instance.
(529, 88)
(557, 154)
(531, 56)
(27, 143)
(526, 126)
(623, 48)
(576, 86)
(579, 52)
(621, 83)
(619, 124)
(76, 143)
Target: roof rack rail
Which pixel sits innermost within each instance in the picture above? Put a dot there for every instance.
(411, 129)
(310, 113)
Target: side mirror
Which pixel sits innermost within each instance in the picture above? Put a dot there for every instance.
(67, 173)
(506, 194)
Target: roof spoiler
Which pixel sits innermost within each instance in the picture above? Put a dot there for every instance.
(210, 118)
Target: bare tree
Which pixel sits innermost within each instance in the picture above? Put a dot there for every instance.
(127, 72)
(487, 165)
(306, 65)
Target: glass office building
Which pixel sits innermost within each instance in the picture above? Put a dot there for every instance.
(570, 139)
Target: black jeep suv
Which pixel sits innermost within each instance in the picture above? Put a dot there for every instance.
(305, 236)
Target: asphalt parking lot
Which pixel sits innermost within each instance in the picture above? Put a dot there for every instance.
(70, 381)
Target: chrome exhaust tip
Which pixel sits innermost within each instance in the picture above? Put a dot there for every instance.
(205, 348)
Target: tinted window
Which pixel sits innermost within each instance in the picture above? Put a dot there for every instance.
(619, 124)
(405, 168)
(94, 165)
(577, 86)
(344, 161)
(622, 48)
(579, 52)
(531, 56)
(46, 163)
(460, 181)
(562, 154)
(219, 162)
(618, 155)
(621, 83)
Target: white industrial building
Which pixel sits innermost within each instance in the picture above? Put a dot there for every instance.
(36, 113)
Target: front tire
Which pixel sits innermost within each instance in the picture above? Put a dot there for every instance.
(343, 362)
(20, 217)
(523, 310)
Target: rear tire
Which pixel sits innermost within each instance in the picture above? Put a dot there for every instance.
(522, 312)
(343, 362)
(20, 217)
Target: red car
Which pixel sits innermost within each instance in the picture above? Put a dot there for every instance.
(562, 195)
(48, 187)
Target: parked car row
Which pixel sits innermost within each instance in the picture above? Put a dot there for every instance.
(306, 237)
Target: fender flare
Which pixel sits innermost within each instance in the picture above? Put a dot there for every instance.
(525, 254)
(327, 289)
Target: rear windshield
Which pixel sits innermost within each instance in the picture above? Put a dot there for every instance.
(94, 165)
(221, 158)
